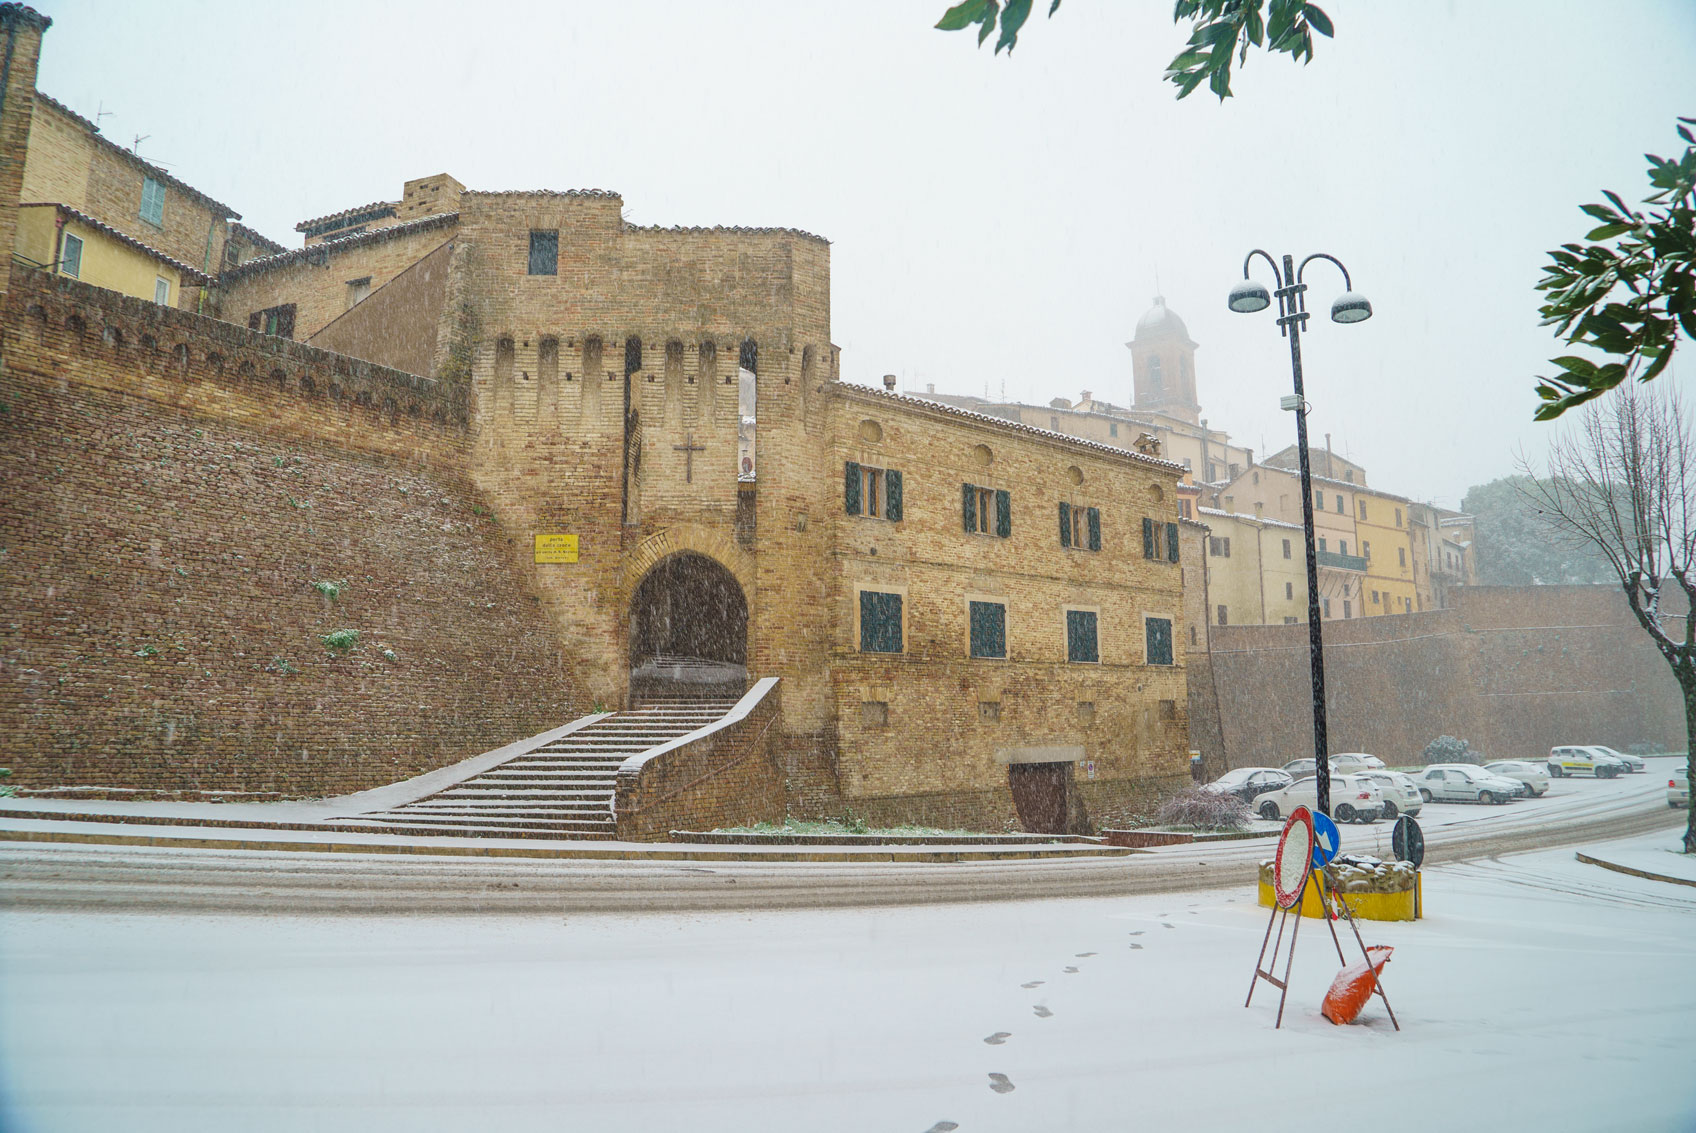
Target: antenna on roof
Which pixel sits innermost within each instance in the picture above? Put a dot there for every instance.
(135, 147)
(99, 113)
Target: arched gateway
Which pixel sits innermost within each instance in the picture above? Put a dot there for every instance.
(688, 630)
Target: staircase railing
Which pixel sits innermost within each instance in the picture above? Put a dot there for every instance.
(723, 774)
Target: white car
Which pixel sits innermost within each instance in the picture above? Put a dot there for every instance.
(1401, 793)
(1534, 776)
(1631, 761)
(1354, 798)
(1573, 759)
(1464, 783)
(1354, 762)
(1678, 788)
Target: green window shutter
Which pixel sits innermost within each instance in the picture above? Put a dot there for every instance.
(892, 496)
(851, 488)
(1081, 642)
(1158, 643)
(989, 629)
(1171, 542)
(1093, 518)
(880, 622)
(1003, 513)
(1065, 525)
(969, 506)
(1147, 537)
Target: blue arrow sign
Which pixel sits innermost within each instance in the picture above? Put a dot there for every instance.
(1325, 840)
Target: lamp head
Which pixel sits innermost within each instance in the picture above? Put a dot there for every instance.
(1351, 307)
(1249, 296)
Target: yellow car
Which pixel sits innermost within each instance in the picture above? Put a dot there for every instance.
(1572, 760)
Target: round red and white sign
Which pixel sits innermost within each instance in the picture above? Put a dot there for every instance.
(1295, 858)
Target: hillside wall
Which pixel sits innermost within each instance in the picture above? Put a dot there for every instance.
(174, 487)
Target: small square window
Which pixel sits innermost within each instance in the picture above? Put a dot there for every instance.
(358, 289)
(880, 622)
(1086, 711)
(874, 713)
(162, 291)
(989, 711)
(70, 257)
(544, 252)
(1082, 644)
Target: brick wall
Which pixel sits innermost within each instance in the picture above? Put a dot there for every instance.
(175, 487)
(729, 778)
(1513, 670)
(21, 29)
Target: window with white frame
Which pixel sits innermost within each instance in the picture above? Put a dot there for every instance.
(153, 201)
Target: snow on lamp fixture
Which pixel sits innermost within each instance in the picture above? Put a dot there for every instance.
(1351, 307)
(1249, 296)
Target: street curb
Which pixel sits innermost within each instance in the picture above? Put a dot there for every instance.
(1643, 873)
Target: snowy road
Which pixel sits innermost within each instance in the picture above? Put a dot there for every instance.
(1538, 994)
(44, 875)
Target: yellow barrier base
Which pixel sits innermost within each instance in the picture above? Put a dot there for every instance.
(1404, 906)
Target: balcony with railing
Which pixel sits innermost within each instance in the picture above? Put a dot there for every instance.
(1341, 562)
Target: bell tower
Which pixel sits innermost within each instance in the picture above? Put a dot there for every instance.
(1163, 365)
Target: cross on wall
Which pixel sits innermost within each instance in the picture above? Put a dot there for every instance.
(689, 448)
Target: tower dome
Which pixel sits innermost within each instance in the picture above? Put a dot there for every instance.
(1160, 321)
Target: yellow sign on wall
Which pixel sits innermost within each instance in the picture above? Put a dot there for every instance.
(556, 548)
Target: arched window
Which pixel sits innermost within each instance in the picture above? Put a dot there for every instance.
(1155, 377)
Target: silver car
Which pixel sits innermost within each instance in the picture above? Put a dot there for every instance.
(1635, 763)
(1354, 798)
(1533, 776)
(1678, 788)
(1464, 783)
(1401, 793)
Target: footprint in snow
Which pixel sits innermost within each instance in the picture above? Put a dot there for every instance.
(1041, 1011)
(1034, 983)
(943, 1127)
(1138, 932)
(1134, 944)
(1000, 1083)
(1082, 954)
(998, 1038)
(1069, 970)
(1163, 924)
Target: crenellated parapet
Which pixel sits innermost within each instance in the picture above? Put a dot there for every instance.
(67, 329)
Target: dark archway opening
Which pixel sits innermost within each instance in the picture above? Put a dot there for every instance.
(688, 630)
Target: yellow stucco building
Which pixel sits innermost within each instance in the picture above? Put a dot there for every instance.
(67, 241)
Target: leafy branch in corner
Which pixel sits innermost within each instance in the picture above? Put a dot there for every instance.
(1627, 290)
(1223, 32)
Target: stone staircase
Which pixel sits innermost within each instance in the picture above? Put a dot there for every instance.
(561, 790)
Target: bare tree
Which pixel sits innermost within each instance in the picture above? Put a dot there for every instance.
(1625, 482)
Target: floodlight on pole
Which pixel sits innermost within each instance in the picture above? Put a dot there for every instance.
(1248, 297)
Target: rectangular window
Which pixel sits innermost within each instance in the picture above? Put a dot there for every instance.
(981, 507)
(1081, 643)
(358, 289)
(544, 252)
(1375, 597)
(1319, 500)
(1322, 543)
(1054, 424)
(1341, 510)
(1286, 548)
(1289, 621)
(277, 321)
(1113, 428)
(1401, 556)
(1080, 527)
(1171, 542)
(1223, 618)
(162, 291)
(1398, 517)
(1289, 590)
(70, 261)
(1342, 546)
(1157, 640)
(1360, 505)
(1327, 603)
(874, 492)
(989, 629)
(153, 202)
(880, 622)
(1366, 551)
(1348, 608)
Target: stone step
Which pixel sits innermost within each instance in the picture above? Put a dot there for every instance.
(574, 830)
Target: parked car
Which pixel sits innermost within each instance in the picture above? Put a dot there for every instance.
(1633, 762)
(1401, 793)
(1354, 762)
(1533, 776)
(1464, 783)
(1575, 759)
(1354, 798)
(1248, 783)
(1299, 768)
(1678, 788)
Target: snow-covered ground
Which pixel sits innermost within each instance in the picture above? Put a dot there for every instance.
(1539, 993)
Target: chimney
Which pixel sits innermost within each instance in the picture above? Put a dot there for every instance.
(21, 29)
(930, 387)
(1084, 398)
(889, 382)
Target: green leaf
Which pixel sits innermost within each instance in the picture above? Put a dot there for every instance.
(1607, 231)
(1013, 17)
(1318, 20)
(1572, 364)
(1600, 212)
(966, 13)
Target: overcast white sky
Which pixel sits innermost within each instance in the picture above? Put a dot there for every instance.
(997, 224)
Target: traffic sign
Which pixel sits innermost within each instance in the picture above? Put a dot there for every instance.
(1295, 851)
(1407, 842)
(1325, 840)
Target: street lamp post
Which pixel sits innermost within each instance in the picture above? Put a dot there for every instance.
(1349, 307)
